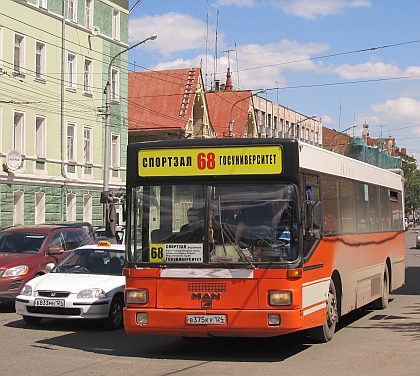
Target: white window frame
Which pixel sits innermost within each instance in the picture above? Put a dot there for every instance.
(19, 61)
(115, 150)
(39, 208)
(71, 142)
(87, 145)
(40, 136)
(42, 3)
(88, 76)
(72, 10)
(87, 208)
(115, 24)
(89, 14)
(71, 207)
(19, 131)
(40, 60)
(18, 208)
(71, 71)
(115, 84)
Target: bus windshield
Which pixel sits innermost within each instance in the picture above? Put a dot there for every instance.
(219, 223)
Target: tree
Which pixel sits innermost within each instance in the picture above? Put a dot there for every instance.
(411, 186)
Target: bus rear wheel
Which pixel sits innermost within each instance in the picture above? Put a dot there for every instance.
(324, 333)
(382, 302)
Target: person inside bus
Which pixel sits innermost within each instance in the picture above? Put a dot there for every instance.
(193, 218)
(277, 217)
(236, 220)
(193, 230)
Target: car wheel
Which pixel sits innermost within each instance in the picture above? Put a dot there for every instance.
(32, 320)
(115, 317)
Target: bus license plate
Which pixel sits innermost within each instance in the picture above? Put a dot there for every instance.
(49, 302)
(206, 319)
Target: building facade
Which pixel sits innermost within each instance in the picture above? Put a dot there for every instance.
(275, 120)
(54, 63)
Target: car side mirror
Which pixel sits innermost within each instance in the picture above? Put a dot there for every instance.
(50, 266)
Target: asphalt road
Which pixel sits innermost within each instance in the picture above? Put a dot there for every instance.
(367, 342)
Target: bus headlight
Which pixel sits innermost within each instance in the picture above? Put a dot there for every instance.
(279, 298)
(136, 296)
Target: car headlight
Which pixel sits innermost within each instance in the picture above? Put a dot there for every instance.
(26, 290)
(137, 296)
(91, 294)
(16, 271)
(280, 298)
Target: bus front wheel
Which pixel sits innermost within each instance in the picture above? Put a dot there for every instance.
(324, 333)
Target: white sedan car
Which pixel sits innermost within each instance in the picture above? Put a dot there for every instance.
(88, 284)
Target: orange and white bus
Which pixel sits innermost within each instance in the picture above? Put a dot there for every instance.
(256, 237)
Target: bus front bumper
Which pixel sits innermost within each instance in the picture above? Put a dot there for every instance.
(227, 323)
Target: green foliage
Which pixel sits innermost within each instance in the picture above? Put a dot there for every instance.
(411, 185)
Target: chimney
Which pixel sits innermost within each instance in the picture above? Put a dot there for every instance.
(228, 86)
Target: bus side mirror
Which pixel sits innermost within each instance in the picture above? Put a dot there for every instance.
(124, 211)
(110, 220)
(317, 214)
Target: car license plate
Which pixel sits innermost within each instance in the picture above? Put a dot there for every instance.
(49, 302)
(206, 319)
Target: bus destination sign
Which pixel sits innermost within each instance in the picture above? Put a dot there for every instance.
(251, 160)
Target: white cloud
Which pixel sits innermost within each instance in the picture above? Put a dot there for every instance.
(176, 32)
(326, 119)
(274, 57)
(312, 8)
(396, 111)
(360, 3)
(369, 70)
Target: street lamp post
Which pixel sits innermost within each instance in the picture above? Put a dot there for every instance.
(231, 109)
(301, 121)
(345, 130)
(108, 111)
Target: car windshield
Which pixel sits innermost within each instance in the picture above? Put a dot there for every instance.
(21, 242)
(222, 223)
(92, 261)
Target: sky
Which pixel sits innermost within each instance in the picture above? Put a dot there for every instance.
(347, 61)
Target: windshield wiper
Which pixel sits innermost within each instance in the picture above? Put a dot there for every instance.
(225, 230)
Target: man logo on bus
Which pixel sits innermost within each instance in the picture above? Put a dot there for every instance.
(206, 298)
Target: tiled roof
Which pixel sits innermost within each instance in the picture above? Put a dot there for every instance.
(220, 105)
(161, 100)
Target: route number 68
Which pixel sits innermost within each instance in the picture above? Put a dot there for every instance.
(206, 161)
